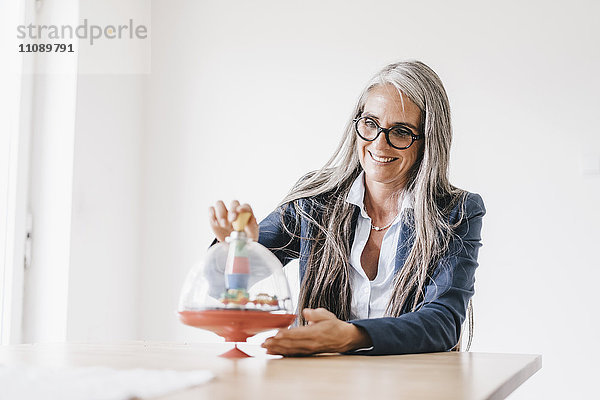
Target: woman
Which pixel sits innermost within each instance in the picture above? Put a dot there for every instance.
(384, 240)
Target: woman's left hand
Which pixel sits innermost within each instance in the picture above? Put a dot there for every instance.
(324, 334)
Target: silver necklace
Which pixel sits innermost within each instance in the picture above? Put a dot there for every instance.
(383, 227)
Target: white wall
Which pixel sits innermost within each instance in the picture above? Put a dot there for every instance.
(13, 141)
(244, 97)
(86, 181)
(53, 132)
(104, 271)
(105, 235)
(18, 107)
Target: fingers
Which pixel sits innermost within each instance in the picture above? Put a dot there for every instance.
(220, 232)
(217, 217)
(326, 336)
(234, 210)
(299, 343)
(252, 225)
(212, 216)
(221, 219)
(299, 333)
(245, 208)
(221, 212)
(295, 341)
(289, 347)
(317, 314)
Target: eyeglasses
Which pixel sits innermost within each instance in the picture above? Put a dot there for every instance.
(398, 137)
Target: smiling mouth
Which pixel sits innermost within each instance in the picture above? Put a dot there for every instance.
(382, 160)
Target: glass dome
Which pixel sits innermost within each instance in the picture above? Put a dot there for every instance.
(238, 290)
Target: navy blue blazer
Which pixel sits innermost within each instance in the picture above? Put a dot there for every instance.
(437, 324)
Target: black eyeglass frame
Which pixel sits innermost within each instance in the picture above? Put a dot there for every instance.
(386, 132)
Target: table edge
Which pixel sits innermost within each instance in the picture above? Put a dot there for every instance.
(512, 384)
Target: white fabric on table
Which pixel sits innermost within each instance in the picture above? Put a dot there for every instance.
(93, 383)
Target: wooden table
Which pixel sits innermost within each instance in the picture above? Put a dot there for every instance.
(448, 375)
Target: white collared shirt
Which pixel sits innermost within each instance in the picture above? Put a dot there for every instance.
(370, 298)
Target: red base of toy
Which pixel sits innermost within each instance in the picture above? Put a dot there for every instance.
(235, 353)
(236, 325)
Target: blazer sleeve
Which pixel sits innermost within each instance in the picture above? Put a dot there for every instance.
(437, 324)
(280, 233)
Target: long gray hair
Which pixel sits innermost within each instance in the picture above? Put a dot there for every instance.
(326, 281)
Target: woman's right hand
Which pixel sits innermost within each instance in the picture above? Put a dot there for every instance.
(220, 219)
